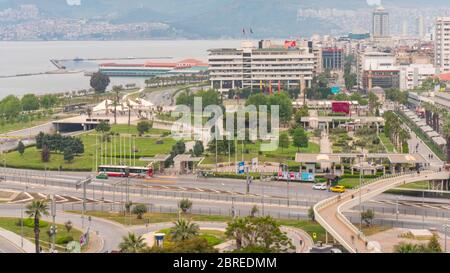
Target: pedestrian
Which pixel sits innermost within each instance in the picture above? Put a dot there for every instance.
(301, 242)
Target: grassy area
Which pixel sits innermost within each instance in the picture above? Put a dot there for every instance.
(372, 230)
(13, 224)
(213, 237)
(10, 127)
(145, 147)
(132, 129)
(387, 143)
(308, 226)
(279, 155)
(153, 217)
(416, 186)
(349, 183)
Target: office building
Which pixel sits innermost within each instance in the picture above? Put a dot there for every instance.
(269, 66)
(380, 22)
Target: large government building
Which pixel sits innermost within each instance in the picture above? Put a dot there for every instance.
(266, 66)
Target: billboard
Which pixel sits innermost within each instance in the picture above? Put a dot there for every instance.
(290, 44)
(296, 176)
(341, 107)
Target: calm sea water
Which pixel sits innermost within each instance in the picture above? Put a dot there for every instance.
(34, 57)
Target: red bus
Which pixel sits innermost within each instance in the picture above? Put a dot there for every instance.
(126, 171)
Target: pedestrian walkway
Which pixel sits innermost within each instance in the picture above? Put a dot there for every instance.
(16, 240)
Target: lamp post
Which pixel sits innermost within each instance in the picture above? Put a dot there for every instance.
(361, 157)
(445, 238)
(396, 208)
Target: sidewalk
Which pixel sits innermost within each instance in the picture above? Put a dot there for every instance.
(15, 239)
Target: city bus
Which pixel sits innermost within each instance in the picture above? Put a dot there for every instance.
(126, 171)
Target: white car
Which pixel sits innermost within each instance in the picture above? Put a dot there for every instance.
(320, 186)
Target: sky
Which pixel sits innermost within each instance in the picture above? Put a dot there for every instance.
(374, 2)
(73, 2)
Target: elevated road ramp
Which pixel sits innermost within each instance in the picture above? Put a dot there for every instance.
(329, 212)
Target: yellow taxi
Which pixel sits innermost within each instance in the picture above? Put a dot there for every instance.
(338, 189)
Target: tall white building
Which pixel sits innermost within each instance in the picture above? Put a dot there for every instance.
(268, 66)
(380, 22)
(442, 44)
(414, 75)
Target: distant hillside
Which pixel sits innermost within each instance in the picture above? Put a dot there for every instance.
(214, 18)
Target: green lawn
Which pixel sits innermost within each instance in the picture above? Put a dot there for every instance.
(132, 129)
(416, 186)
(349, 183)
(309, 226)
(153, 217)
(213, 237)
(387, 143)
(13, 224)
(146, 147)
(279, 155)
(10, 127)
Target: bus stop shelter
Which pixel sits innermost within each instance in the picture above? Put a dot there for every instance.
(181, 163)
(159, 158)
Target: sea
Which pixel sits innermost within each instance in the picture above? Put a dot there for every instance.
(19, 58)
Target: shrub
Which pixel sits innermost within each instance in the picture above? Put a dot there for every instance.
(62, 240)
(29, 222)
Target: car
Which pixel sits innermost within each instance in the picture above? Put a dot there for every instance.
(102, 176)
(338, 189)
(320, 186)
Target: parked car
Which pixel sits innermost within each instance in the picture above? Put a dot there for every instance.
(320, 186)
(338, 189)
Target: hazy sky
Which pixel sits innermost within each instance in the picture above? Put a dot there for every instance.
(74, 2)
(374, 2)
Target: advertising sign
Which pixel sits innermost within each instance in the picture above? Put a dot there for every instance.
(335, 90)
(241, 168)
(341, 107)
(296, 176)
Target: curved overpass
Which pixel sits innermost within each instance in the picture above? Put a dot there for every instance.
(329, 212)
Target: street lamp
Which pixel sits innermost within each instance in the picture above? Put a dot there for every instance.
(361, 157)
(396, 208)
(445, 237)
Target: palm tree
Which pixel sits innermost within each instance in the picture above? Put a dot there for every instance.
(446, 131)
(117, 90)
(236, 230)
(132, 243)
(406, 248)
(36, 210)
(184, 230)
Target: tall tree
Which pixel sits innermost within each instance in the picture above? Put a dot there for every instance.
(30, 102)
(99, 82)
(36, 210)
(284, 141)
(300, 138)
(116, 89)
